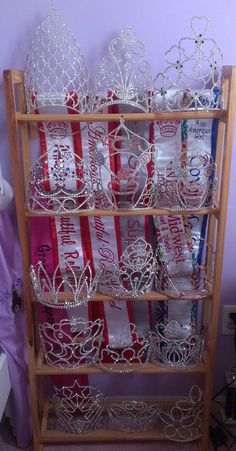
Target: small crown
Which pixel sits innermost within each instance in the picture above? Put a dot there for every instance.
(183, 423)
(168, 128)
(124, 76)
(125, 165)
(133, 416)
(71, 343)
(78, 408)
(188, 183)
(125, 354)
(60, 182)
(193, 61)
(79, 285)
(175, 346)
(55, 72)
(133, 276)
(57, 129)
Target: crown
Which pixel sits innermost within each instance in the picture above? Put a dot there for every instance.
(189, 182)
(125, 354)
(175, 346)
(183, 422)
(124, 76)
(125, 169)
(57, 130)
(60, 182)
(55, 71)
(133, 416)
(49, 289)
(133, 276)
(73, 343)
(192, 77)
(78, 408)
(168, 128)
(184, 273)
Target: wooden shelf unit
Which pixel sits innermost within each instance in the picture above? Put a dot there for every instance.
(20, 125)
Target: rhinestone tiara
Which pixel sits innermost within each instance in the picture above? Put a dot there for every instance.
(133, 416)
(73, 343)
(134, 274)
(124, 354)
(124, 76)
(60, 182)
(49, 289)
(193, 76)
(55, 71)
(78, 408)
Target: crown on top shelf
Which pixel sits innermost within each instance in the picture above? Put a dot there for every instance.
(80, 285)
(78, 408)
(193, 76)
(55, 71)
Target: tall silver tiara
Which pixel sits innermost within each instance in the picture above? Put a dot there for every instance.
(124, 76)
(134, 274)
(125, 170)
(175, 346)
(60, 181)
(193, 76)
(78, 408)
(55, 71)
(51, 289)
(73, 343)
(133, 416)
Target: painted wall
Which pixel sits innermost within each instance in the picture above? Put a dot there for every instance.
(158, 25)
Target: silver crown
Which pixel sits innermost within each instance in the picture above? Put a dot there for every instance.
(60, 182)
(127, 353)
(175, 346)
(188, 183)
(71, 343)
(78, 408)
(133, 276)
(192, 77)
(133, 416)
(55, 71)
(124, 76)
(183, 275)
(125, 163)
(50, 290)
(183, 423)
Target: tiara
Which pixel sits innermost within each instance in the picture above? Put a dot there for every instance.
(183, 423)
(71, 343)
(188, 183)
(60, 182)
(133, 416)
(125, 354)
(175, 346)
(134, 274)
(185, 274)
(51, 290)
(124, 76)
(192, 77)
(55, 71)
(78, 408)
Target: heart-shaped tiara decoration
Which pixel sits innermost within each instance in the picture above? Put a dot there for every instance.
(133, 416)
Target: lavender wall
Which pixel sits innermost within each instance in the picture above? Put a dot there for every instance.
(158, 25)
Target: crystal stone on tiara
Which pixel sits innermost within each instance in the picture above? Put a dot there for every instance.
(51, 290)
(192, 77)
(60, 182)
(175, 346)
(55, 71)
(189, 182)
(78, 408)
(183, 423)
(73, 343)
(124, 76)
(125, 354)
(133, 416)
(133, 276)
(183, 275)
(125, 165)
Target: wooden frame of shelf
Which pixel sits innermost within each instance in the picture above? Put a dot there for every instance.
(19, 130)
